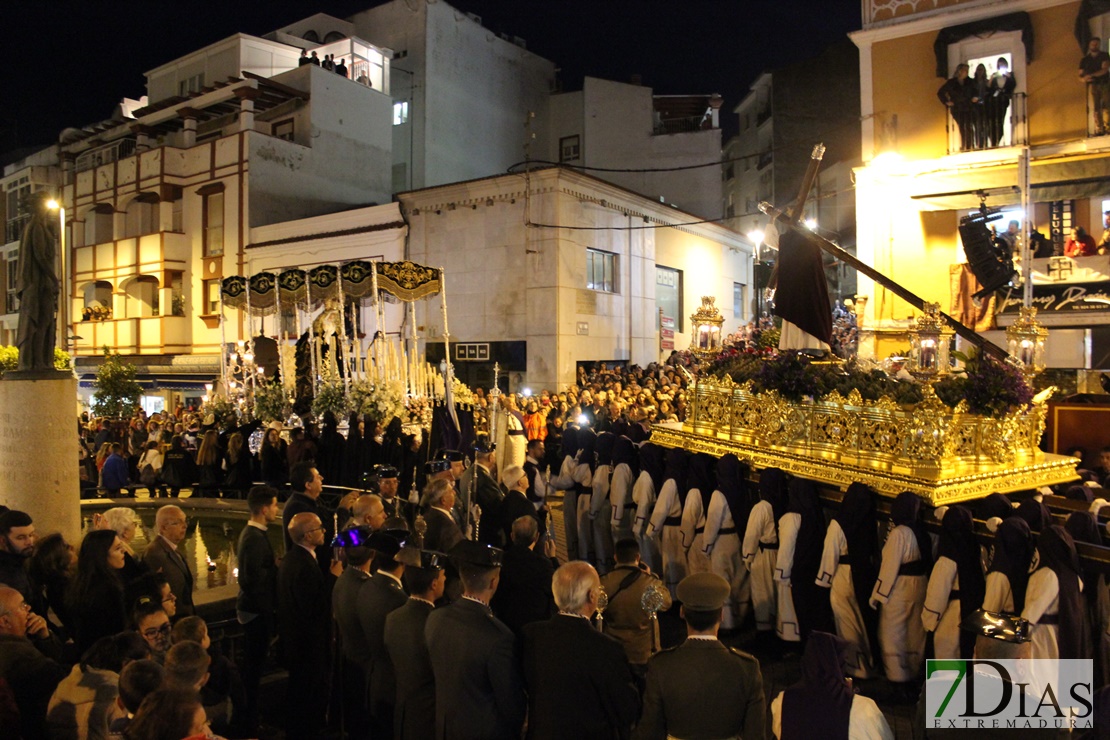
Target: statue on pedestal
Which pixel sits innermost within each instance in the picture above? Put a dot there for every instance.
(38, 288)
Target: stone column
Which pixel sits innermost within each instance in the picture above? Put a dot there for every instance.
(38, 450)
(247, 96)
(143, 136)
(189, 118)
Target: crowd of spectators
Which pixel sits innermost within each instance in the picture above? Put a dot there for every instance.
(87, 647)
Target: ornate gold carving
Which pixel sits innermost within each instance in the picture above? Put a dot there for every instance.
(948, 485)
(943, 454)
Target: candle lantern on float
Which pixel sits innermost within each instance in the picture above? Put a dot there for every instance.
(1025, 340)
(706, 325)
(930, 338)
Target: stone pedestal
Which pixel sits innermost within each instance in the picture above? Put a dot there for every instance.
(39, 471)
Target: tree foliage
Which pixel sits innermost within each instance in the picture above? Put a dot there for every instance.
(116, 390)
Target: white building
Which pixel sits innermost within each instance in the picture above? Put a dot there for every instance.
(621, 126)
(553, 268)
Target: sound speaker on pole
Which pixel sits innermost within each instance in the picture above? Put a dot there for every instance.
(990, 261)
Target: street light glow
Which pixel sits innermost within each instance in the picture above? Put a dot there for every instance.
(811, 223)
(756, 236)
(53, 204)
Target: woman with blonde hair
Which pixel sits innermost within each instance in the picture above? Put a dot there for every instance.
(209, 464)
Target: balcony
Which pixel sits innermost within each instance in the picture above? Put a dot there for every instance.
(983, 133)
(113, 152)
(683, 125)
(13, 229)
(1095, 127)
(763, 116)
(764, 159)
(148, 335)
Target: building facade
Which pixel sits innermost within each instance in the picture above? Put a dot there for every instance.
(921, 176)
(620, 126)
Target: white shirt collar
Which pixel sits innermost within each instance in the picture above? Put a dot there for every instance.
(390, 575)
(709, 638)
(445, 511)
(308, 549)
(476, 600)
(171, 545)
(429, 603)
(256, 525)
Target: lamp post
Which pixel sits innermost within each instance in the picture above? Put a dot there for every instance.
(55, 204)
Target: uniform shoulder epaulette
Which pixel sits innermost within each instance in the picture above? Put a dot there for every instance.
(665, 651)
(740, 653)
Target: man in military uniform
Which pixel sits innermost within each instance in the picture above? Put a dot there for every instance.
(377, 597)
(354, 648)
(625, 618)
(479, 689)
(415, 714)
(702, 689)
(478, 486)
(388, 484)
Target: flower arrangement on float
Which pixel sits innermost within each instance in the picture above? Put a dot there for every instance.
(379, 400)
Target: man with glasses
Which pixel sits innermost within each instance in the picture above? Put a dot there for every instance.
(31, 674)
(304, 627)
(162, 556)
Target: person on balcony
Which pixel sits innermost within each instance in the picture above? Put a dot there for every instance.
(1079, 244)
(1104, 243)
(956, 94)
(1000, 93)
(1094, 69)
(980, 91)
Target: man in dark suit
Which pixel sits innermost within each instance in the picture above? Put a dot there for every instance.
(702, 688)
(579, 682)
(415, 714)
(516, 503)
(442, 533)
(307, 484)
(479, 692)
(304, 626)
(256, 604)
(524, 592)
(355, 650)
(376, 599)
(161, 556)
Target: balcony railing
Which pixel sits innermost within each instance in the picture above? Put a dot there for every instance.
(982, 130)
(683, 125)
(105, 155)
(1098, 121)
(13, 230)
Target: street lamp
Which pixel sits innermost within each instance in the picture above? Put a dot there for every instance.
(55, 204)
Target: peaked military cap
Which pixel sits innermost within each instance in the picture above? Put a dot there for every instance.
(414, 557)
(703, 592)
(475, 553)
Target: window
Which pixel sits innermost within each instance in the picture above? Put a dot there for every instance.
(570, 148)
(213, 223)
(400, 112)
(12, 301)
(283, 129)
(190, 85)
(212, 297)
(738, 300)
(18, 215)
(601, 271)
(668, 294)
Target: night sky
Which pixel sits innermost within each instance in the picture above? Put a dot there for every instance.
(69, 63)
